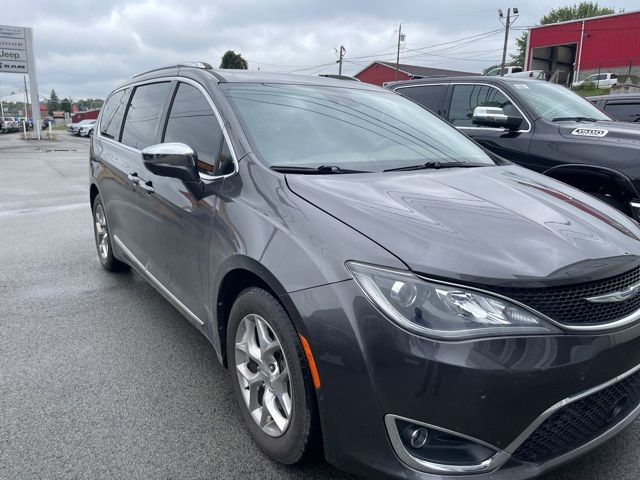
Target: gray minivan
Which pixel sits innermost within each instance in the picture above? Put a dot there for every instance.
(381, 288)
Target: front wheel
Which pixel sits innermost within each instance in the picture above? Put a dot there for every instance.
(271, 378)
(103, 239)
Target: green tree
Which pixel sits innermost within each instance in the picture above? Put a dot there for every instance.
(53, 103)
(65, 105)
(232, 59)
(561, 14)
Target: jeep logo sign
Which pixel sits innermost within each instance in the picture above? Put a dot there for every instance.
(14, 55)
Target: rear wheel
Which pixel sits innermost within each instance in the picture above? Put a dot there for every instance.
(270, 376)
(103, 239)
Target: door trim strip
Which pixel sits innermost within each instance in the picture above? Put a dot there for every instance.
(158, 286)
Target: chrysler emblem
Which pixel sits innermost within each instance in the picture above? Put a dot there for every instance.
(619, 296)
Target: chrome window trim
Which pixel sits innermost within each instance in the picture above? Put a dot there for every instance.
(631, 318)
(431, 467)
(502, 456)
(478, 127)
(225, 133)
(156, 283)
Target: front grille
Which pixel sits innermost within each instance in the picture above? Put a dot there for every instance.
(568, 305)
(580, 422)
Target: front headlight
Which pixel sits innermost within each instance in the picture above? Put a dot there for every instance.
(443, 311)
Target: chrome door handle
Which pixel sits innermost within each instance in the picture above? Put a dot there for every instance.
(133, 177)
(146, 186)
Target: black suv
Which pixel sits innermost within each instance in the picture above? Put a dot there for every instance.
(541, 126)
(381, 288)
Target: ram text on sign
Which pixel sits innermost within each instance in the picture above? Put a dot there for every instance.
(15, 55)
(13, 66)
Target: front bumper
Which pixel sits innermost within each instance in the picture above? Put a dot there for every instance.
(498, 391)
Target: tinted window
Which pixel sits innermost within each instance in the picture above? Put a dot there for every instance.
(628, 112)
(429, 96)
(112, 113)
(143, 113)
(466, 98)
(192, 121)
(369, 130)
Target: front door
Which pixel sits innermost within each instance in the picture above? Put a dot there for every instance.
(513, 146)
(179, 224)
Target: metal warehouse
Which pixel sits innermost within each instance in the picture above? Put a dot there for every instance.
(575, 49)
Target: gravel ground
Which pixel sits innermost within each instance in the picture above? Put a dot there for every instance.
(100, 377)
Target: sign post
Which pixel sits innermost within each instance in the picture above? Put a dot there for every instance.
(16, 56)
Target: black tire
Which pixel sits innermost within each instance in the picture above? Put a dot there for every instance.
(108, 261)
(300, 441)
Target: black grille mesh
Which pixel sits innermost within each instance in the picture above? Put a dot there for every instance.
(580, 422)
(568, 305)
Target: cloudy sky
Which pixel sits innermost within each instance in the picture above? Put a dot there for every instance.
(85, 48)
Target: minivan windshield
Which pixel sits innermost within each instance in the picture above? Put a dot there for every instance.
(554, 102)
(351, 129)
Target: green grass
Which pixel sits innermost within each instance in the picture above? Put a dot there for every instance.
(591, 92)
(58, 127)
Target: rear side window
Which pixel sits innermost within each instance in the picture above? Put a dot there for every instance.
(429, 96)
(112, 113)
(466, 98)
(627, 112)
(141, 123)
(192, 122)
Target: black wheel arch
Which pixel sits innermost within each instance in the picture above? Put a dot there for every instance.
(583, 176)
(236, 274)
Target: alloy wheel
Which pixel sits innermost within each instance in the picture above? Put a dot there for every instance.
(263, 374)
(102, 235)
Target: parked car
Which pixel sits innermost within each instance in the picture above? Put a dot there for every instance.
(374, 280)
(46, 122)
(544, 127)
(508, 70)
(10, 124)
(74, 128)
(86, 129)
(534, 74)
(623, 107)
(599, 80)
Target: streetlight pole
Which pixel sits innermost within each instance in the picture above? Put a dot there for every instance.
(507, 25)
(342, 52)
(398, 54)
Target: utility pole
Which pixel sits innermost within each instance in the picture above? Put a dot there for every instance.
(398, 54)
(342, 52)
(507, 25)
(26, 98)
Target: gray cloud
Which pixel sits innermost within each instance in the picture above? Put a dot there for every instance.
(85, 48)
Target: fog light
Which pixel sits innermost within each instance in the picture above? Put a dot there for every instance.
(441, 447)
(418, 437)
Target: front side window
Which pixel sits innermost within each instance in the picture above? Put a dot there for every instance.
(466, 98)
(556, 103)
(112, 114)
(627, 112)
(192, 122)
(368, 130)
(141, 123)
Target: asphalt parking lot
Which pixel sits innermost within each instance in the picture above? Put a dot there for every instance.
(100, 377)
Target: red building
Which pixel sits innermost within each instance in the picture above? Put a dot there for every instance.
(379, 73)
(575, 49)
(86, 115)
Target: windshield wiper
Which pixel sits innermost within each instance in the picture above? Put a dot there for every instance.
(321, 170)
(574, 119)
(436, 166)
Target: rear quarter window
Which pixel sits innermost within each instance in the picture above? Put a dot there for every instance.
(112, 114)
(429, 96)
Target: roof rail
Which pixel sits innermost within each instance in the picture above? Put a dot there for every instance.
(203, 65)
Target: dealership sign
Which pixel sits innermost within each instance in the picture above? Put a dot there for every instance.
(16, 56)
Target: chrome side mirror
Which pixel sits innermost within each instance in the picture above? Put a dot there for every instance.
(495, 117)
(175, 160)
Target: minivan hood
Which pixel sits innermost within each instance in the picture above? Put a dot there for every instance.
(605, 131)
(487, 225)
